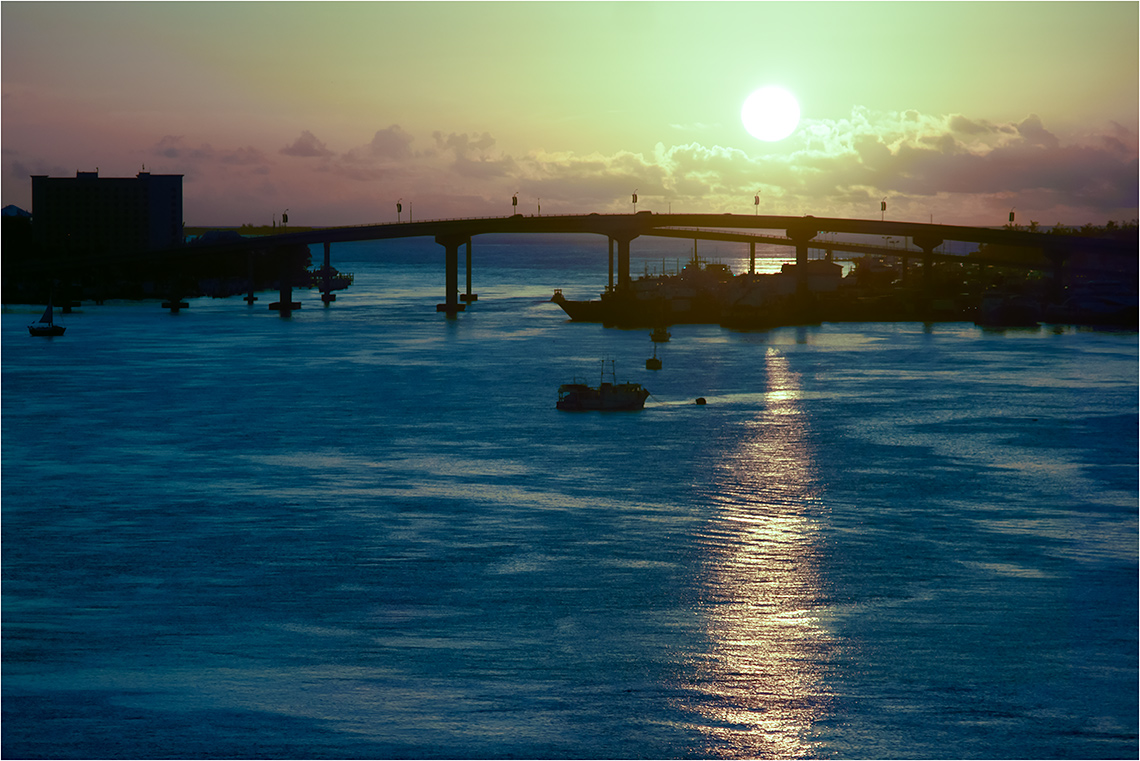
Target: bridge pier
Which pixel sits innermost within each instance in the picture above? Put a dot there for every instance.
(285, 304)
(610, 285)
(623, 281)
(451, 243)
(250, 298)
(469, 296)
(174, 303)
(801, 235)
(327, 296)
(927, 244)
(751, 257)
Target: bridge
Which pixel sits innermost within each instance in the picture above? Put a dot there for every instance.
(620, 229)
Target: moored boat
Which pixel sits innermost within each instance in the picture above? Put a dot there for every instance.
(612, 396)
(708, 293)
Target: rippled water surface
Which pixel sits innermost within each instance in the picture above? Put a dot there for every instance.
(365, 531)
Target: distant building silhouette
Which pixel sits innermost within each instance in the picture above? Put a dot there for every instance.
(91, 214)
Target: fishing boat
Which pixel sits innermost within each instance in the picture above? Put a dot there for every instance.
(654, 362)
(580, 397)
(46, 326)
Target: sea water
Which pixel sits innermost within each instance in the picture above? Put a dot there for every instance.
(364, 531)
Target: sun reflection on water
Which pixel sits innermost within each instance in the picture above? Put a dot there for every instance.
(761, 685)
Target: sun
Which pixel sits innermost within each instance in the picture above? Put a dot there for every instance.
(770, 113)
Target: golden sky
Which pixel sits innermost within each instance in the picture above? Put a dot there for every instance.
(958, 111)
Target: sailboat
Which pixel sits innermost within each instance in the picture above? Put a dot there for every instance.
(46, 325)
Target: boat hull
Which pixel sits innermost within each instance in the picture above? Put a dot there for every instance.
(617, 310)
(624, 397)
(46, 330)
(625, 311)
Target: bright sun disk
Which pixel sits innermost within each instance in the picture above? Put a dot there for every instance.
(770, 113)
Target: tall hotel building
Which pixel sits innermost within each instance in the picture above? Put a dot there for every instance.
(92, 214)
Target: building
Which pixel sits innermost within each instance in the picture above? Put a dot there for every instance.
(92, 214)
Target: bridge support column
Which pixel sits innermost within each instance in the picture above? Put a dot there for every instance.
(327, 296)
(285, 304)
(927, 245)
(451, 244)
(751, 257)
(250, 298)
(174, 302)
(469, 296)
(623, 281)
(610, 284)
(801, 235)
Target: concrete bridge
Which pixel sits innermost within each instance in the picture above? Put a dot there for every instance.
(620, 229)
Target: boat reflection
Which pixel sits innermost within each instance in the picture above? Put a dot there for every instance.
(762, 684)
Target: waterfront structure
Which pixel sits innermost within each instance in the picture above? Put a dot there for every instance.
(92, 214)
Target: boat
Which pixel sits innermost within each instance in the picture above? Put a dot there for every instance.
(610, 396)
(709, 293)
(654, 362)
(659, 335)
(336, 280)
(46, 326)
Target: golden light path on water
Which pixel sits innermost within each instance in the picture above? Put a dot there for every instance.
(762, 684)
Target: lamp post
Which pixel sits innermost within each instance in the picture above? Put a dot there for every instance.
(399, 208)
(756, 204)
(514, 203)
(285, 219)
(883, 209)
(1011, 216)
(635, 200)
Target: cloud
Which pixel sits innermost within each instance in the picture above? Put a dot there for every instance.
(959, 123)
(175, 147)
(22, 171)
(391, 143)
(463, 144)
(306, 146)
(387, 148)
(965, 170)
(913, 158)
(1034, 131)
(247, 156)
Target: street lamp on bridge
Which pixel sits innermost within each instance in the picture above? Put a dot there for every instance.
(399, 208)
(635, 200)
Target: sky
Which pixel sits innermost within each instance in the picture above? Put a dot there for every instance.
(952, 112)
